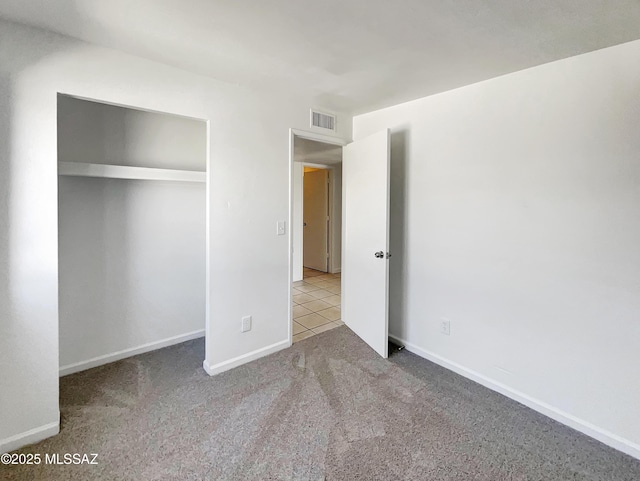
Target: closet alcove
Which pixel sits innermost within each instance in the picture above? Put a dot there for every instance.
(131, 231)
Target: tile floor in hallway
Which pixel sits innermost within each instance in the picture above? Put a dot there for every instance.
(316, 304)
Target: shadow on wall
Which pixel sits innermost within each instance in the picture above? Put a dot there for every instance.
(93, 232)
(27, 270)
(5, 197)
(15, 166)
(398, 225)
(15, 59)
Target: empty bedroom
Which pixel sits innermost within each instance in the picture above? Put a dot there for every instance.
(336, 240)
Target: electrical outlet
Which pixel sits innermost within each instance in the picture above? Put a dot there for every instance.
(445, 326)
(246, 323)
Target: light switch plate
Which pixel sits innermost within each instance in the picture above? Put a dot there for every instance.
(282, 227)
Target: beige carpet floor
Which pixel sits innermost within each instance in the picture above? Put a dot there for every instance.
(326, 409)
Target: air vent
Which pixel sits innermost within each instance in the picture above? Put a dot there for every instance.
(323, 120)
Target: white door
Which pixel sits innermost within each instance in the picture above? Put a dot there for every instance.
(316, 219)
(365, 264)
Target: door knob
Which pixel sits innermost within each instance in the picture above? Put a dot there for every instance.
(379, 255)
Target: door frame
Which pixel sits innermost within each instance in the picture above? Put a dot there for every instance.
(208, 153)
(303, 134)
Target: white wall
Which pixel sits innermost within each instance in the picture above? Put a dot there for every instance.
(108, 134)
(131, 266)
(515, 216)
(248, 193)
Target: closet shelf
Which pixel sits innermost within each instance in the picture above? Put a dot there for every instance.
(81, 169)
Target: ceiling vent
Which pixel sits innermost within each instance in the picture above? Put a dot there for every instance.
(323, 120)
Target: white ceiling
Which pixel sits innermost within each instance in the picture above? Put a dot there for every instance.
(351, 55)
(310, 151)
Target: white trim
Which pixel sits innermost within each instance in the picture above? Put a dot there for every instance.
(245, 358)
(336, 271)
(292, 138)
(82, 169)
(29, 437)
(297, 224)
(118, 355)
(591, 430)
(317, 166)
(208, 333)
(327, 139)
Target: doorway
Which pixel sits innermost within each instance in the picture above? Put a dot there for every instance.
(362, 278)
(317, 231)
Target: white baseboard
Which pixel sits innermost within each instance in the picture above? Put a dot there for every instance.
(602, 435)
(118, 355)
(245, 358)
(29, 437)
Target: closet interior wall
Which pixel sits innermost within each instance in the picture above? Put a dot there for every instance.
(131, 252)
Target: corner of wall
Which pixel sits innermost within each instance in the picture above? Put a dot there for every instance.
(29, 437)
(245, 358)
(580, 425)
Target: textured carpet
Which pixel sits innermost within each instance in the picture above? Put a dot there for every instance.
(327, 408)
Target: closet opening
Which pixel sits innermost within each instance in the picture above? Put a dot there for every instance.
(132, 232)
(316, 230)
